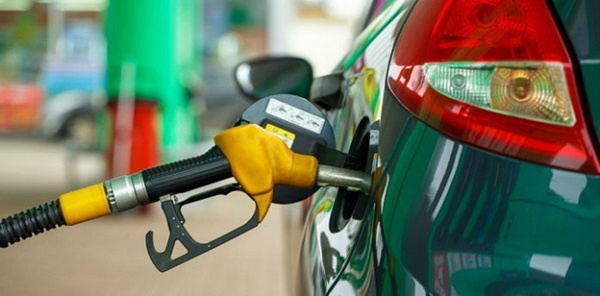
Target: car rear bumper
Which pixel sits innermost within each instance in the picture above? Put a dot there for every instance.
(453, 215)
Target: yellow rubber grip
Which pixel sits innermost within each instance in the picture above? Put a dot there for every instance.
(84, 204)
(260, 160)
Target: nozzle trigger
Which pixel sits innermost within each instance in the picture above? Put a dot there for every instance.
(177, 231)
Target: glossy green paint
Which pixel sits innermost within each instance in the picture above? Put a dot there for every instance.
(503, 212)
(591, 72)
(372, 31)
(358, 270)
(548, 212)
(580, 19)
(412, 150)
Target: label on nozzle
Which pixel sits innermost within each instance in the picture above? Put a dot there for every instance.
(286, 136)
(296, 116)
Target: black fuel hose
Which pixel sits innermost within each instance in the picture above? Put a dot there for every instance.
(30, 222)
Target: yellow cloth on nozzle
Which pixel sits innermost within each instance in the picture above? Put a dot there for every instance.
(260, 160)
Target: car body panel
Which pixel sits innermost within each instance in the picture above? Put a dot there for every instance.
(449, 218)
(581, 21)
(364, 73)
(480, 220)
(380, 23)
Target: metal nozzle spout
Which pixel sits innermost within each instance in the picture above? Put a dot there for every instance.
(341, 177)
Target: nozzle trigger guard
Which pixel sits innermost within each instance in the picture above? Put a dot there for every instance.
(177, 232)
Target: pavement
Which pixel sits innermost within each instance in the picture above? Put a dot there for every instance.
(107, 256)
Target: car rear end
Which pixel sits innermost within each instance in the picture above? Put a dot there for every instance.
(489, 144)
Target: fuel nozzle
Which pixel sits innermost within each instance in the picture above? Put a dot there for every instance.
(282, 148)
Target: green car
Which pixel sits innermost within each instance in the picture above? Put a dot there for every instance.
(479, 120)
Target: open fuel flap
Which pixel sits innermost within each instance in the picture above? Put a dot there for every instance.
(349, 203)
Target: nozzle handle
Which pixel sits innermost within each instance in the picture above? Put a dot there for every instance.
(187, 174)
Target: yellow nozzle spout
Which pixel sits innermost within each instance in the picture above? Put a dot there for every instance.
(259, 160)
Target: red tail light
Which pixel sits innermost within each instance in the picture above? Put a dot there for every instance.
(494, 74)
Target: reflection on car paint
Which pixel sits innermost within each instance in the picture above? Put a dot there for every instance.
(365, 77)
(491, 226)
(373, 30)
(332, 248)
(571, 194)
(359, 274)
(456, 220)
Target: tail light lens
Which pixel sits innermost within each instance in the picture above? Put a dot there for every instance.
(495, 74)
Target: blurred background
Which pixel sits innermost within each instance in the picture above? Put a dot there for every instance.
(91, 89)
